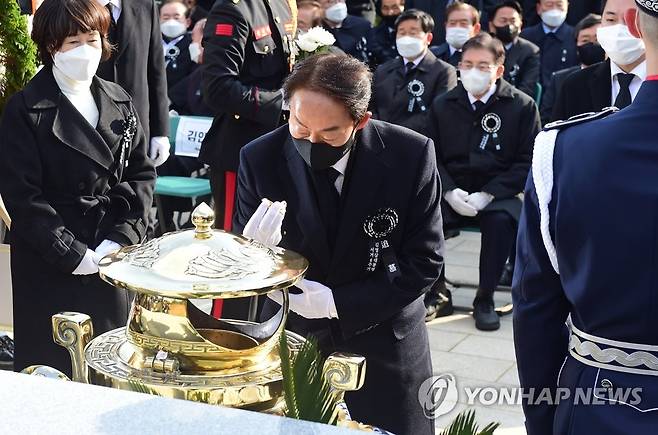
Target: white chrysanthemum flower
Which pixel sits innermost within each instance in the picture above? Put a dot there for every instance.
(321, 36)
(306, 44)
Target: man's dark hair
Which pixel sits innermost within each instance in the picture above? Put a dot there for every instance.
(56, 20)
(506, 4)
(426, 21)
(338, 76)
(475, 14)
(487, 42)
(590, 20)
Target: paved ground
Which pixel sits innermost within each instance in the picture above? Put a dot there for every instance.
(475, 358)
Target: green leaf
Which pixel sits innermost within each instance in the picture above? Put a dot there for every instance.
(464, 424)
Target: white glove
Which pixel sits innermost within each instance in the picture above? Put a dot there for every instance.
(88, 265)
(479, 200)
(457, 200)
(265, 224)
(106, 247)
(316, 301)
(159, 150)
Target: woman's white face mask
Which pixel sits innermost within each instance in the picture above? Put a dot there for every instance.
(80, 63)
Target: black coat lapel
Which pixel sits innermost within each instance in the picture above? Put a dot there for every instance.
(601, 86)
(111, 120)
(126, 27)
(366, 175)
(308, 217)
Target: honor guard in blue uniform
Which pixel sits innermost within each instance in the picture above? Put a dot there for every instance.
(585, 290)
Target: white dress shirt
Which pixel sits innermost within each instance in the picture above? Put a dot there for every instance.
(416, 62)
(341, 166)
(484, 98)
(640, 73)
(116, 8)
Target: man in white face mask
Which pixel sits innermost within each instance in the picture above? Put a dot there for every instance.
(614, 82)
(554, 37)
(176, 41)
(350, 31)
(483, 131)
(462, 23)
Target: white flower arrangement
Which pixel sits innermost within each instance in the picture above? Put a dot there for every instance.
(316, 40)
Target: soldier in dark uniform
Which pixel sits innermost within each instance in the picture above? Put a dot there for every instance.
(462, 23)
(405, 87)
(521, 56)
(554, 37)
(246, 57)
(483, 131)
(380, 41)
(176, 42)
(350, 31)
(587, 234)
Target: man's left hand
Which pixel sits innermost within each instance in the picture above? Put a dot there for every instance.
(159, 150)
(479, 200)
(316, 301)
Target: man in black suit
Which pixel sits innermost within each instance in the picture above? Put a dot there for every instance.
(176, 42)
(363, 206)
(521, 56)
(350, 31)
(577, 11)
(380, 41)
(589, 53)
(462, 23)
(614, 82)
(137, 65)
(437, 9)
(554, 37)
(247, 54)
(405, 87)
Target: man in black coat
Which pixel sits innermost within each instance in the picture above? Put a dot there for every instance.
(405, 87)
(577, 11)
(176, 42)
(246, 57)
(554, 37)
(350, 31)
(462, 22)
(137, 65)
(380, 41)
(484, 132)
(614, 82)
(437, 9)
(521, 56)
(351, 185)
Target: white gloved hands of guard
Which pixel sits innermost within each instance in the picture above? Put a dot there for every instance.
(88, 265)
(316, 301)
(265, 224)
(106, 247)
(159, 150)
(456, 198)
(479, 200)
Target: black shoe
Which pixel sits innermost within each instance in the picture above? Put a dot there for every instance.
(506, 278)
(6, 351)
(486, 318)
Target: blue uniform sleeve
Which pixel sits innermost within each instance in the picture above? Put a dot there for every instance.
(540, 312)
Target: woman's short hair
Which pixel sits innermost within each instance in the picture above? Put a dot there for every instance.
(55, 20)
(338, 76)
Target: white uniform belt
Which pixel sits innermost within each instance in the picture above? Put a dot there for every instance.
(620, 356)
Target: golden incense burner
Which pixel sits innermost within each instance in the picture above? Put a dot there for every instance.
(173, 349)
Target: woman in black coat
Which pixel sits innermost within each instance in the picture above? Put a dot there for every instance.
(75, 178)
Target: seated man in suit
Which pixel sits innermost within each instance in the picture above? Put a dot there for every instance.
(521, 56)
(483, 131)
(614, 82)
(176, 41)
(405, 87)
(350, 182)
(381, 39)
(350, 31)
(590, 52)
(462, 23)
(554, 38)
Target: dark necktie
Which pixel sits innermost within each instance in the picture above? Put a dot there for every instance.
(112, 32)
(408, 68)
(328, 201)
(478, 105)
(624, 97)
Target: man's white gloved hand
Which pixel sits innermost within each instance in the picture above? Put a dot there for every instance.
(106, 247)
(457, 200)
(265, 224)
(316, 301)
(479, 200)
(88, 265)
(159, 150)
